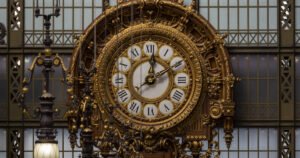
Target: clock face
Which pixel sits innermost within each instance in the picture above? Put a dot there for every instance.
(154, 81)
(151, 80)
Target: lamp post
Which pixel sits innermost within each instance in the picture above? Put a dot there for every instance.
(46, 146)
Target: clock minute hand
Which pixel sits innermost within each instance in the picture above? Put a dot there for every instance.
(160, 73)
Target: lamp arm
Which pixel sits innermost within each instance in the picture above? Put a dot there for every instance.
(63, 68)
(31, 70)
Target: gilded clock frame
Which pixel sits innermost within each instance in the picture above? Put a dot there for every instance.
(147, 30)
(215, 100)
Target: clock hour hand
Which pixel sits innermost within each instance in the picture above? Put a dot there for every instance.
(160, 73)
(152, 62)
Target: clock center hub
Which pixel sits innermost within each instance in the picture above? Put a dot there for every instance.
(150, 79)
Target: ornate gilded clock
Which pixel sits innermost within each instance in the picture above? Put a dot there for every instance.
(155, 78)
(161, 66)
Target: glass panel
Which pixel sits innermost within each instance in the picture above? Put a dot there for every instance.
(243, 20)
(78, 20)
(263, 139)
(3, 140)
(243, 154)
(233, 154)
(253, 154)
(98, 3)
(88, 3)
(243, 2)
(274, 2)
(88, 17)
(203, 3)
(3, 16)
(78, 3)
(253, 137)
(253, 18)
(234, 143)
(243, 138)
(263, 2)
(213, 2)
(68, 19)
(263, 154)
(59, 138)
(29, 19)
(28, 154)
(273, 18)
(263, 17)
(223, 19)
(221, 140)
(28, 139)
(224, 154)
(3, 3)
(233, 18)
(233, 2)
(204, 12)
(223, 3)
(297, 136)
(213, 17)
(3, 154)
(273, 139)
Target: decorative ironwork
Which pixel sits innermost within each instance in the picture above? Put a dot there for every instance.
(286, 79)
(286, 144)
(285, 11)
(2, 33)
(36, 39)
(297, 38)
(252, 39)
(15, 20)
(15, 77)
(16, 146)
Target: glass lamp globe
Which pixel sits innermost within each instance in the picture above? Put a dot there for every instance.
(46, 150)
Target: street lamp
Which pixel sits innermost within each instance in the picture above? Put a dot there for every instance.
(46, 146)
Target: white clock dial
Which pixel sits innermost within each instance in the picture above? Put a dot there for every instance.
(123, 64)
(165, 52)
(134, 107)
(181, 80)
(134, 53)
(119, 80)
(177, 95)
(150, 111)
(150, 48)
(179, 66)
(150, 91)
(123, 95)
(166, 107)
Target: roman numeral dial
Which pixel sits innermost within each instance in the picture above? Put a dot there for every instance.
(134, 53)
(153, 97)
(150, 111)
(150, 48)
(177, 95)
(119, 80)
(182, 80)
(134, 107)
